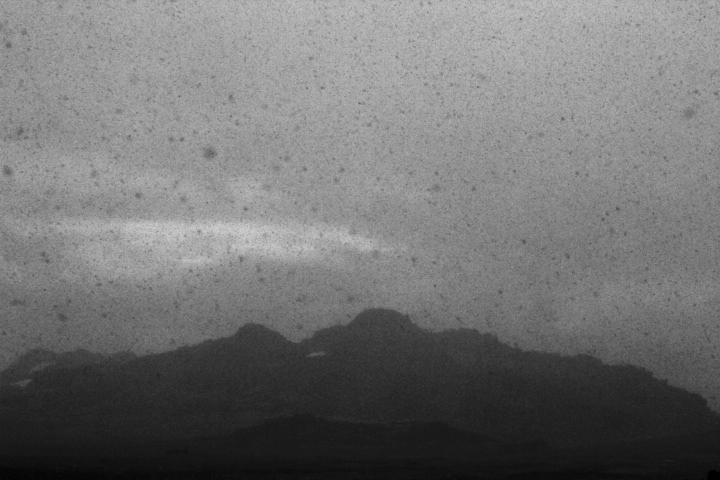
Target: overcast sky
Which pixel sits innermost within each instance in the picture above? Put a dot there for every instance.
(546, 171)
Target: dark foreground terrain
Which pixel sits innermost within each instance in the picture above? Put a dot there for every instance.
(377, 398)
(561, 465)
(311, 448)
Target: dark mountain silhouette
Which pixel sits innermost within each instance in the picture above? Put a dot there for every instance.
(380, 368)
(36, 360)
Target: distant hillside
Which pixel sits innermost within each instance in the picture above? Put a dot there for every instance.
(37, 360)
(380, 368)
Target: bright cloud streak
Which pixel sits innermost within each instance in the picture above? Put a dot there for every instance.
(138, 249)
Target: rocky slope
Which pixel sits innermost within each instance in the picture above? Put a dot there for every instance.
(379, 368)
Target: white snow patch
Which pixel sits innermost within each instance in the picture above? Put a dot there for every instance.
(316, 354)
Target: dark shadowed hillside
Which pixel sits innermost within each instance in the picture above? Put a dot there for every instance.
(38, 359)
(306, 429)
(380, 368)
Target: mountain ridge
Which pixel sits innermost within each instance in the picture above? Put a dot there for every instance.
(379, 368)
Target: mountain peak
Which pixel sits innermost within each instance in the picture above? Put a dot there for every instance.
(256, 330)
(256, 337)
(382, 320)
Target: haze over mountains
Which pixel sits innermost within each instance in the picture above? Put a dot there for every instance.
(380, 369)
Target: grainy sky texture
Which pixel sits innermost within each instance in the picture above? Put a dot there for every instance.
(546, 171)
